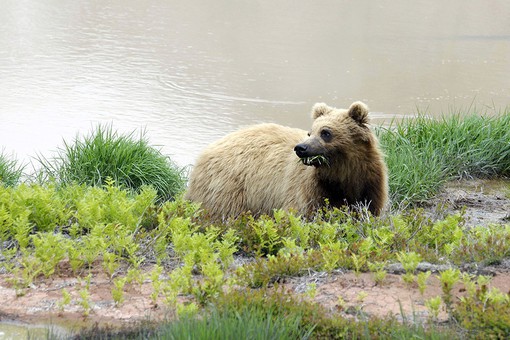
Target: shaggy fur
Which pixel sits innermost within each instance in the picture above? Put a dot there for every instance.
(268, 166)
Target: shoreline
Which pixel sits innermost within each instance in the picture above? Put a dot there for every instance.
(482, 202)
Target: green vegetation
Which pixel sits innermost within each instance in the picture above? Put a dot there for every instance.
(241, 319)
(423, 153)
(116, 229)
(10, 170)
(87, 215)
(258, 314)
(104, 154)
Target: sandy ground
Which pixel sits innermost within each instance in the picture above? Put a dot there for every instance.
(484, 202)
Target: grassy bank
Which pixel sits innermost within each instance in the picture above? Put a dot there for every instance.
(423, 153)
(104, 155)
(83, 214)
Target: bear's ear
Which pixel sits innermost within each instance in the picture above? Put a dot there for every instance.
(359, 112)
(320, 109)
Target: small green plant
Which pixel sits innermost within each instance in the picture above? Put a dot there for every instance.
(134, 275)
(118, 290)
(358, 263)
(483, 280)
(263, 272)
(268, 238)
(110, 263)
(448, 279)
(377, 269)
(21, 228)
(410, 262)
(85, 301)
(433, 306)
(75, 256)
(332, 254)
(156, 283)
(188, 310)
(361, 296)
(49, 249)
(341, 304)
(31, 267)
(66, 300)
(421, 279)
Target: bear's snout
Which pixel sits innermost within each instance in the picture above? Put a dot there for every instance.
(301, 149)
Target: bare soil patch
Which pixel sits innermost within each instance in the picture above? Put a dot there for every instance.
(358, 295)
(41, 303)
(483, 202)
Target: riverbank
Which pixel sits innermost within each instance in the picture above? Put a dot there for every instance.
(98, 254)
(482, 202)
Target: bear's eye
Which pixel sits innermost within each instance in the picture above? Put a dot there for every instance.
(325, 134)
(309, 133)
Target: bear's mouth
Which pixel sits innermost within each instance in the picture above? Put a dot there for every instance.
(316, 161)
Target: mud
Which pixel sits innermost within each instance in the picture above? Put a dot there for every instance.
(482, 202)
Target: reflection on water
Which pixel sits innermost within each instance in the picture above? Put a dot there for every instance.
(11, 330)
(189, 72)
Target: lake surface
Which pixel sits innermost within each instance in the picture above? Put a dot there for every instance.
(188, 72)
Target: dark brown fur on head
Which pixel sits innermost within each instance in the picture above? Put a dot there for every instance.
(334, 133)
(350, 166)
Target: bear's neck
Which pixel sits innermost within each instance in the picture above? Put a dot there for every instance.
(335, 192)
(338, 184)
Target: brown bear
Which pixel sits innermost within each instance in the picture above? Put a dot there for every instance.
(269, 166)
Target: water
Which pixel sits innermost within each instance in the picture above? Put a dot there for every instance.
(189, 72)
(12, 330)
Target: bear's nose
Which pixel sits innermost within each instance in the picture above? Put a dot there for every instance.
(300, 149)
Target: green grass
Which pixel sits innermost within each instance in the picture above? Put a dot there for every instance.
(248, 323)
(423, 153)
(10, 170)
(263, 314)
(105, 155)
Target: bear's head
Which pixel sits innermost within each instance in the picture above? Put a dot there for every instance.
(336, 135)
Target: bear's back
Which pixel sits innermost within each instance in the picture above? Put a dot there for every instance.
(245, 170)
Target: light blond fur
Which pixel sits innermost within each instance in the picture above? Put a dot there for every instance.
(257, 170)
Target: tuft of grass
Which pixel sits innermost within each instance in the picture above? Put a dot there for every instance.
(319, 159)
(10, 170)
(246, 323)
(423, 153)
(104, 155)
